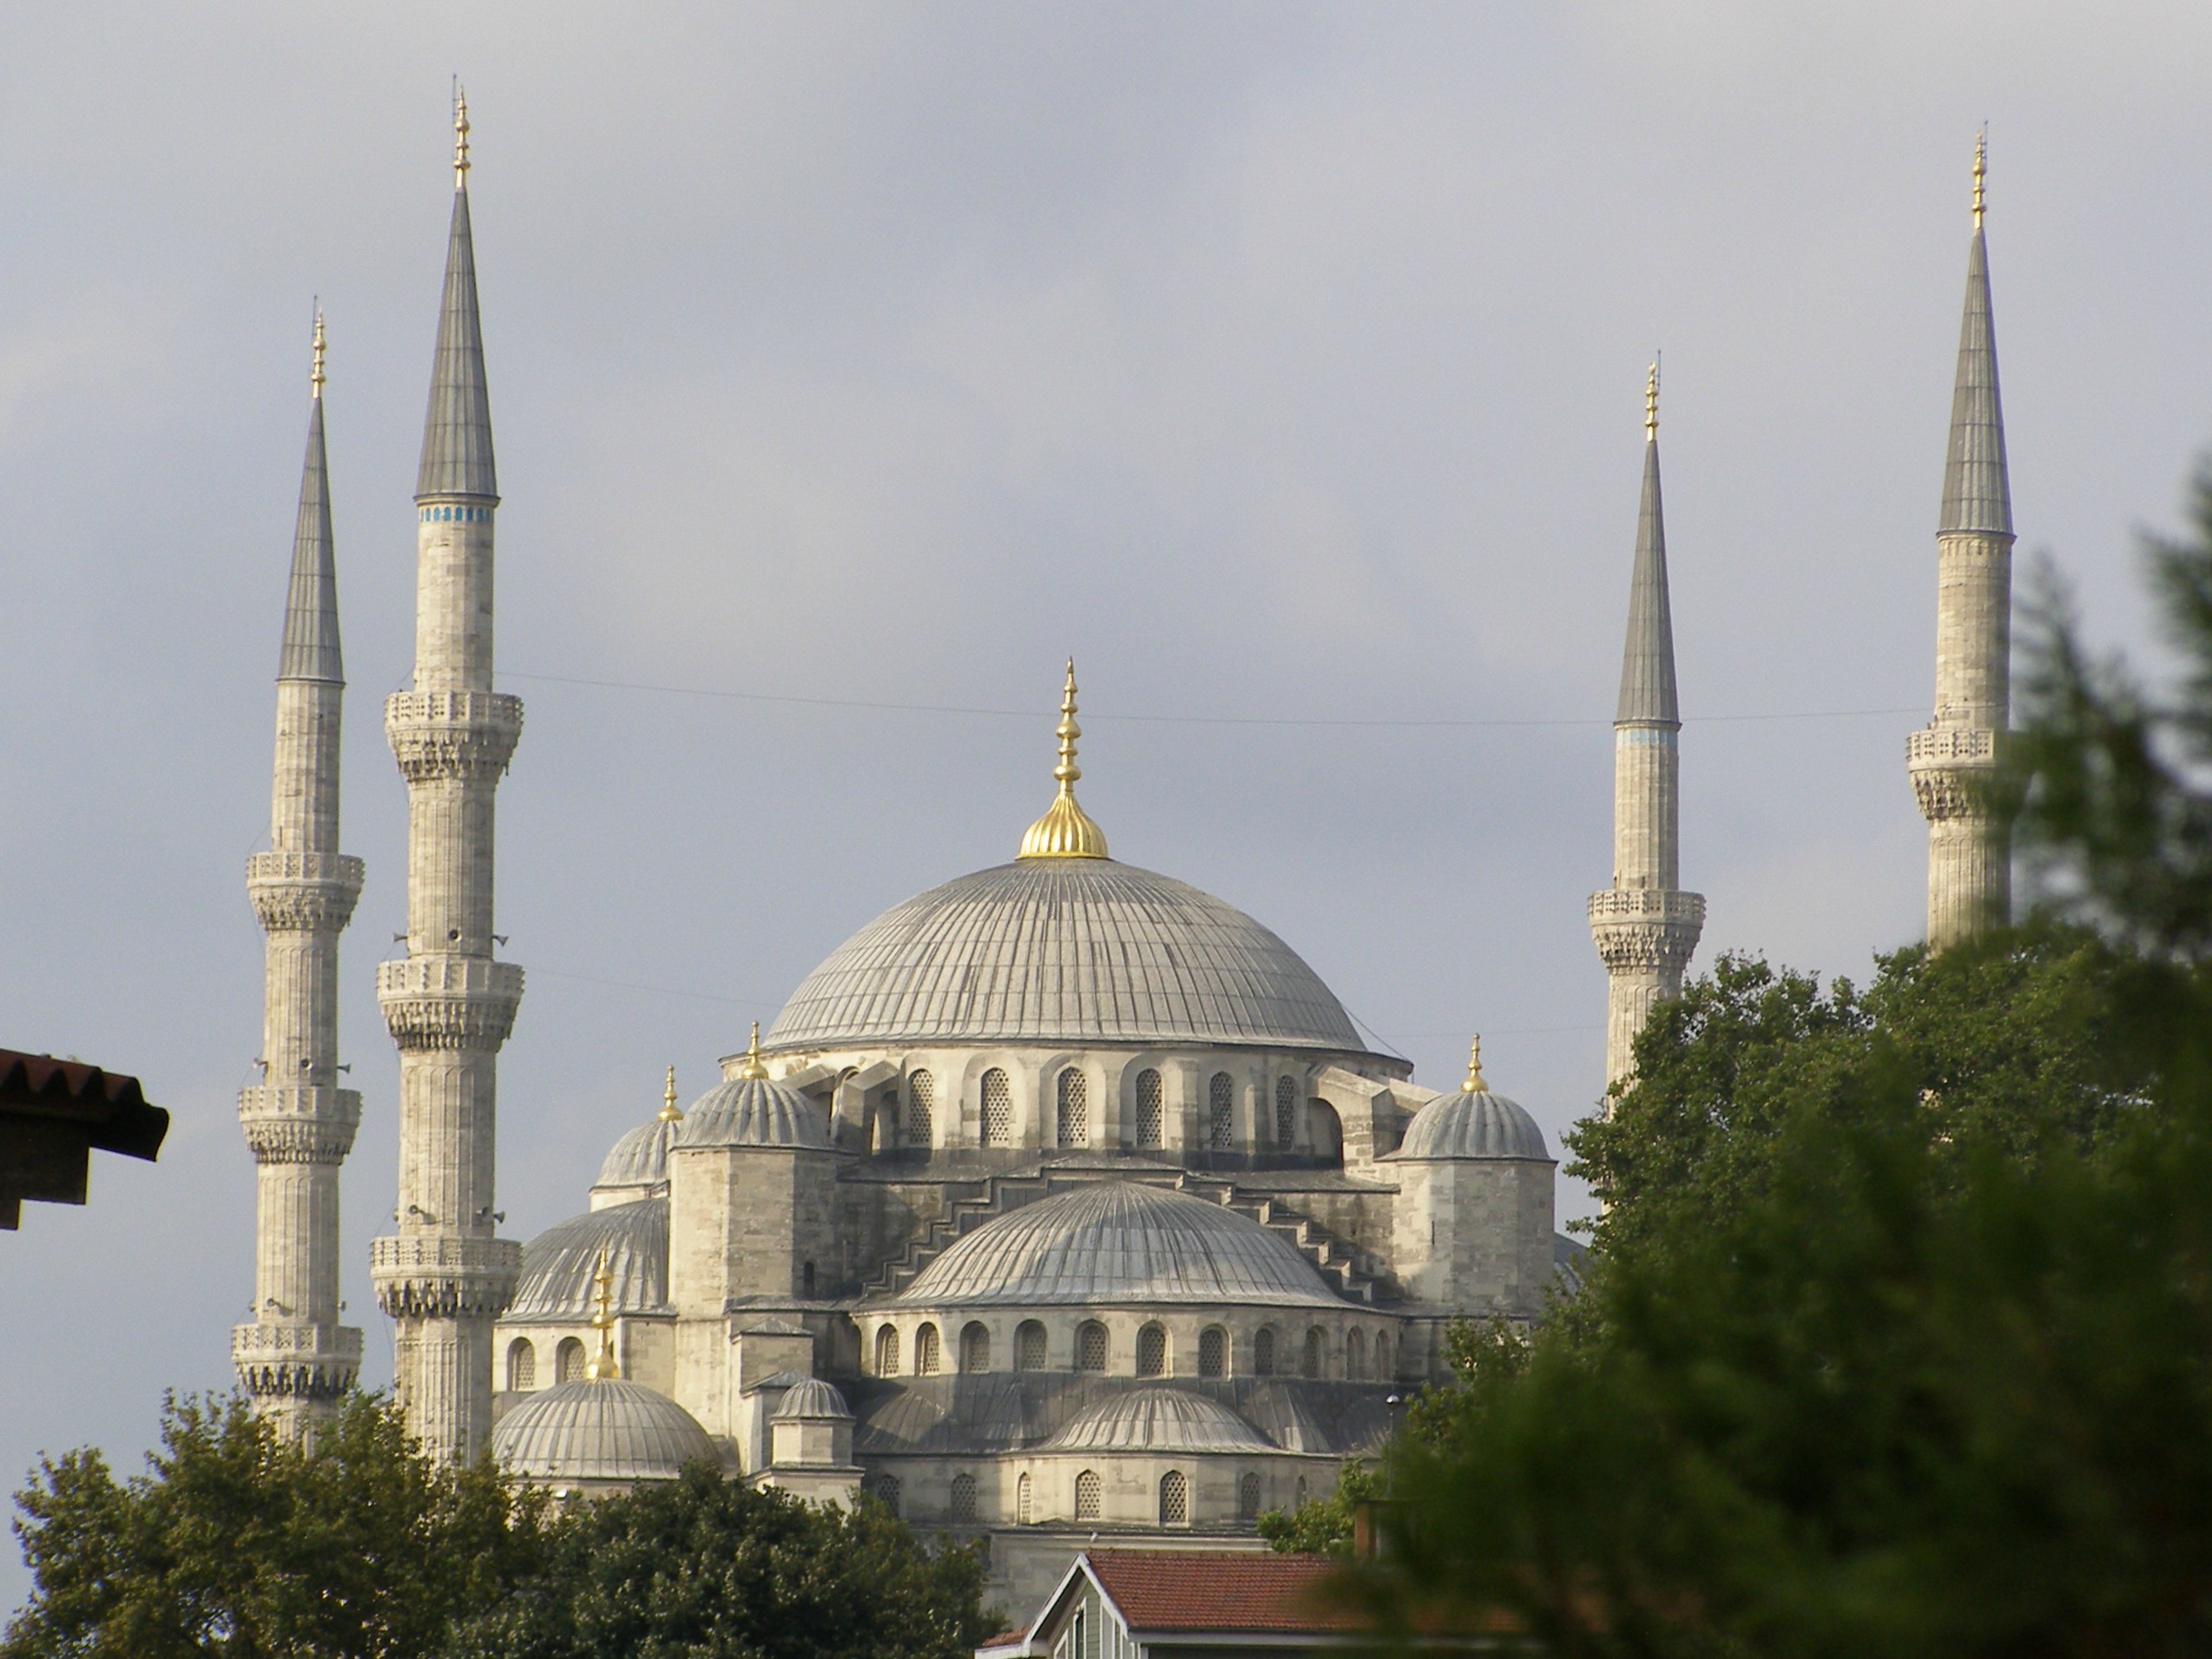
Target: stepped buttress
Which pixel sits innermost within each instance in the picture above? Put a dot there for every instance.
(294, 1357)
(1953, 758)
(443, 1276)
(1644, 926)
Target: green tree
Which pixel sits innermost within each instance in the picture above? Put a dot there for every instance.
(707, 1568)
(234, 1542)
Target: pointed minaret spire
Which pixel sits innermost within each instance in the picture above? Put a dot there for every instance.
(293, 1357)
(1952, 760)
(1644, 926)
(444, 1277)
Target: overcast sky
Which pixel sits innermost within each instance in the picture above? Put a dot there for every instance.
(1281, 363)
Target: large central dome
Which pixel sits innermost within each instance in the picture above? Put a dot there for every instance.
(1063, 950)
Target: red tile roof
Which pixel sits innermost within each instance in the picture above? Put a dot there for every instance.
(110, 1107)
(1219, 1589)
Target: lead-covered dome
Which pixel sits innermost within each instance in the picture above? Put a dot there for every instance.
(603, 1430)
(753, 1111)
(1473, 1124)
(558, 1264)
(640, 1158)
(1158, 1420)
(1063, 950)
(811, 1401)
(1118, 1243)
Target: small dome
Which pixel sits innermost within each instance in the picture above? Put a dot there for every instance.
(1118, 1242)
(600, 1431)
(557, 1265)
(1477, 1125)
(640, 1158)
(753, 1111)
(1158, 1420)
(811, 1398)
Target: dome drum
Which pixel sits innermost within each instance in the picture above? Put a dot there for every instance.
(1346, 1343)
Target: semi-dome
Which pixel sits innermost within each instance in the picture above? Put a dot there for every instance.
(1158, 1420)
(1472, 1123)
(601, 1430)
(1116, 1242)
(1073, 950)
(558, 1264)
(812, 1399)
(753, 1111)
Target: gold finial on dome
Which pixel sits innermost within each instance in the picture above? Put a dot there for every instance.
(460, 136)
(315, 374)
(1981, 171)
(668, 1112)
(603, 1367)
(1065, 831)
(1474, 1084)
(751, 1067)
(1651, 401)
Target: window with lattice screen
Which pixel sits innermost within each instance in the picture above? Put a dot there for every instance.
(887, 1351)
(1263, 1351)
(997, 1108)
(1313, 1351)
(1088, 1488)
(1023, 1501)
(1174, 1499)
(963, 1498)
(1029, 1347)
(568, 1360)
(1148, 1113)
(1213, 1352)
(1382, 1356)
(925, 1352)
(975, 1346)
(1090, 1346)
(887, 1489)
(1286, 1111)
(1152, 1351)
(1074, 1124)
(1355, 1355)
(522, 1366)
(1221, 1112)
(921, 1108)
(1248, 1498)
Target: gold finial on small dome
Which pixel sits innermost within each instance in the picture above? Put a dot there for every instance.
(750, 1068)
(315, 374)
(603, 1367)
(1981, 171)
(1651, 401)
(1474, 1084)
(668, 1112)
(460, 136)
(1065, 831)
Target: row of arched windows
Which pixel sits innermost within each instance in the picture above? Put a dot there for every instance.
(963, 1503)
(522, 1363)
(1072, 1110)
(1090, 1350)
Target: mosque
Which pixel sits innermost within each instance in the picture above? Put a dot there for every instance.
(1061, 1200)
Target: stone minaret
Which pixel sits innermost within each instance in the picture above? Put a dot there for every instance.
(294, 1358)
(1953, 758)
(443, 1277)
(1645, 926)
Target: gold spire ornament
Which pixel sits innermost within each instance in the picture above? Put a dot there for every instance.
(668, 1112)
(315, 374)
(751, 1067)
(1474, 1084)
(460, 137)
(603, 1367)
(1065, 831)
(1981, 171)
(1651, 401)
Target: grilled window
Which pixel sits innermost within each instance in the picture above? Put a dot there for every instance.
(1090, 1346)
(925, 1353)
(1248, 1498)
(1029, 1347)
(1221, 1112)
(997, 1108)
(1355, 1355)
(887, 1351)
(1022, 1501)
(1152, 1351)
(886, 1488)
(1075, 1110)
(1174, 1499)
(1286, 1111)
(1213, 1352)
(963, 1498)
(921, 1105)
(1313, 1351)
(1382, 1356)
(975, 1346)
(522, 1366)
(1087, 1489)
(1263, 1351)
(568, 1360)
(1148, 1107)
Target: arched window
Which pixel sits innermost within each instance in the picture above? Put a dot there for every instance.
(1022, 1500)
(1087, 1495)
(1301, 1492)
(1314, 1352)
(1148, 1107)
(522, 1366)
(1213, 1352)
(963, 1498)
(1074, 1123)
(1326, 1129)
(568, 1360)
(1152, 1351)
(1263, 1351)
(1091, 1346)
(1221, 1112)
(886, 1488)
(997, 1108)
(975, 1346)
(1029, 1347)
(1286, 1111)
(1174, 1499)
(926, 1354)
(887, 1351)
(1355, 1355)
(921, 1103)
(1382, 1356)
(1248, 1498)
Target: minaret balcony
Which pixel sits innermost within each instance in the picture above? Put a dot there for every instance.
(296, 892)
(444, 1276)
(1953, 769)
(1667, 906)
(304, 1124)
(449, 1001)
(299, 1359)
(1645, 930)
(444, 734)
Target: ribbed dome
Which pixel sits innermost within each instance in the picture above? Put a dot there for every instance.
(1116, 1242)
(811, 1398)
(1063, 950)
(1158, 1420)
(640, 1158)
(557, 1265)
(600, 1431)
(753, 1111)
(1480, 1125)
